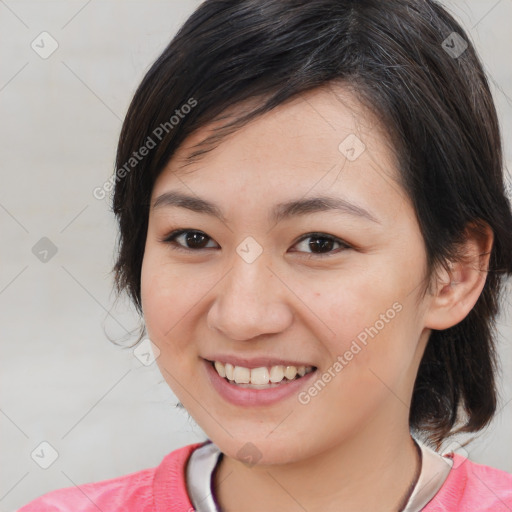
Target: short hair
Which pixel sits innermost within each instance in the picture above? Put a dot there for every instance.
(413, 65)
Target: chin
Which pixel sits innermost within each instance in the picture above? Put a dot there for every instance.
(262, 449)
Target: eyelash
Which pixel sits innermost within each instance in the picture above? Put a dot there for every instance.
(171, 240)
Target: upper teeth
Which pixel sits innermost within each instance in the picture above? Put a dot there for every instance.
(262, 375)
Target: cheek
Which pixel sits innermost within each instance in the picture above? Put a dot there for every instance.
(356, 304)
(173, 298)
(165, 297)
(372, 315)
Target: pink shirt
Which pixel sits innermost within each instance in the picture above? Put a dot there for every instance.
(469, 487)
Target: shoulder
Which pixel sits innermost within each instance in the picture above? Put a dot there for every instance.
(133, 490)
(471, 485)
(139, 491)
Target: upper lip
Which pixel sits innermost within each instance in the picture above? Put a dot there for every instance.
(256, 362)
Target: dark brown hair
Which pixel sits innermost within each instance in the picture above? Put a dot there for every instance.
(405, 59)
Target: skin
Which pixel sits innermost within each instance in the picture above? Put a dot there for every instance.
(349, 448)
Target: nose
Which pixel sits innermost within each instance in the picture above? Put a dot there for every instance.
(251, 301)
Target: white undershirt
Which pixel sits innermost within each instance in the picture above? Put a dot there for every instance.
(202, 463)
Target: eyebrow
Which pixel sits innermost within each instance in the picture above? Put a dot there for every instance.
(280, 212)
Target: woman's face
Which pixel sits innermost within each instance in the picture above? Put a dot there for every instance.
(267, 276)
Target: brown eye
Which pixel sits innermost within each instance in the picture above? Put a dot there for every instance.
(321, 244)
(189, 240)
(194, 239)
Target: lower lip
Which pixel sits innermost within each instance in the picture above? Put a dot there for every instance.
(253, 397)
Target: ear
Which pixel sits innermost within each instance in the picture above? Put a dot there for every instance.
(455, 292)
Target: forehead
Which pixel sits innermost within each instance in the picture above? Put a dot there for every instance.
(325, 139)
(329, 112)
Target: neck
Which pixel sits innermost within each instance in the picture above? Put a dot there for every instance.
(365, 473)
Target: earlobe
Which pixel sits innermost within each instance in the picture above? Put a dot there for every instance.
(458, 288)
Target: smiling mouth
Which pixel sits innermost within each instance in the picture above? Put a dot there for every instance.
(262, 377)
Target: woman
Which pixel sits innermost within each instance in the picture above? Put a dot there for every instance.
(314, 226)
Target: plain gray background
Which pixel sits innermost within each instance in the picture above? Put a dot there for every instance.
(62, 381)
